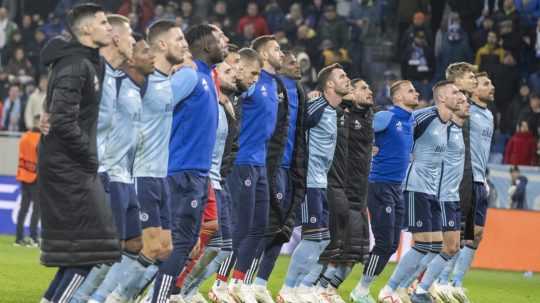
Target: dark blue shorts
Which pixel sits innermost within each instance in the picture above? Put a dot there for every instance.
(125, 209)
(386, 211)
(314, 209)
(451, 216)
(189, 194)
(154, 197)
(481, 203)
(423, 212)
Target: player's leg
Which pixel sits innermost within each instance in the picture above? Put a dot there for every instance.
(419, 224)
(122, 195)
(49, 293)
(72, 278)
(34, 220)
(23, 211)
(386, 211)
(189, 193)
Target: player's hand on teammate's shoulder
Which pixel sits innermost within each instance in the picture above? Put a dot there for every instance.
(44, 125)
(314, 94)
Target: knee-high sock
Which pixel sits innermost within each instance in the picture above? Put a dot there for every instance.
(408, 263)
(340, 275)
(300, 261)
(463, 264)
(115, 275)
(91, 283)
(135, 278)
(433, 270)
(444, 277)
(327, 276)
(199, 270)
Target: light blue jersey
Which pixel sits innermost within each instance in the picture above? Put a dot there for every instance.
(152, 152)
(120, 149)
(321, 122)
(430, 140)
(481, 131)
(219, 147)
(109, 93)
(454, 161)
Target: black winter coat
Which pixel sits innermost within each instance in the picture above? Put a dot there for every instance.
(282, 221)
(347, 186)
(467, 203)
(77, 223)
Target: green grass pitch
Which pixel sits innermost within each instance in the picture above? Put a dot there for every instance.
(23, 279)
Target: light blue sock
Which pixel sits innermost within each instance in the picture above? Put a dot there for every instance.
(444, 277)
(324, 281)
(313, 275)
(340, 275)
(365, 282)
(194, 278)
(434, 269)
(300, 261)
(463, 264)
(90, 284)
(421, 267)
(408, 263)
(115, 274)
(127, 288)
(260, 282)
(211, 269)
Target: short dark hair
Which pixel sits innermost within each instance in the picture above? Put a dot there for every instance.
(534, 95)
(251, 55)
(233, 48)
(258, 43)
(138, 37)
(81, 11)
(438, 86)
(198, 33)
(514, 168)
(157, 28)
(481, 74)
(324, 74)
(356, 80)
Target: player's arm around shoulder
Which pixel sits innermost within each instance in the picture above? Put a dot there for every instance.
(183, 82)
(381, 120)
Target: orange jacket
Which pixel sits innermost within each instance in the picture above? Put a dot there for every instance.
(26, 172)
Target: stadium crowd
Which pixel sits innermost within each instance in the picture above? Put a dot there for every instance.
(499, 36)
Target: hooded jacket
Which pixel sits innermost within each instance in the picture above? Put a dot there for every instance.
(77, 224)
(347, 185)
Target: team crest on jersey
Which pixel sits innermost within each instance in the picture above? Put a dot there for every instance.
(341, 120)
(281, 97)
(263, 91)
(143, 217)
(399, 126)
(194, 204)
(205, 84)
(357, 124)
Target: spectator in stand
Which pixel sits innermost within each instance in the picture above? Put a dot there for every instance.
(521, 149)
(451, 45)
(253, 19)
(418, 60)
(7, 27)
(11, 46)
(307, 41)
(28, 29)
(405, 12)
(34, 106)
(143, 9)
(334, 28)
(13, 111)
(509, 30)
(314, 13)
(419, 24)
(171, 10)
(293, 20)
(309, 74)
(331, 54)
(491, 52)
(188, 16)
(27, 175)
(505, 77)
(518, 189)
(53, 27)
(274, 16)
(34, 47)
(19, 67)
(362, 14)
(383, 100)
(222, 16)
(509, 118)
(529, 11)
(531, 114)
(479, 37)
(531, 40)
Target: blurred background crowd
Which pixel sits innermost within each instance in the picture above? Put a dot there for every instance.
(378, 40)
